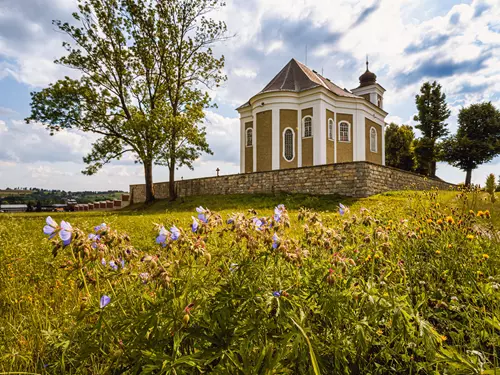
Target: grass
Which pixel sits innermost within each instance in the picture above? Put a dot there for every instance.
(378, 290)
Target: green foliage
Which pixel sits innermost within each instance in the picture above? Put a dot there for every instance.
(144, 68)
(432, 114)
(491, 186)
(398, 146)
(477, 140)
(402, 283)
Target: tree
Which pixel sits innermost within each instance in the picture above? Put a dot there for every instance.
(477, 140)
(432, 114)
(145, 68)
(491, 187)
(398, 146)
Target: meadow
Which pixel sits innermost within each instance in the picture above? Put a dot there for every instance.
(403, 282)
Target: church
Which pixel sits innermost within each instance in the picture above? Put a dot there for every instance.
(303, 119)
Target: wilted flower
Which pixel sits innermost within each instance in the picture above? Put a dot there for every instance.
(162, 237)
(175, 233)
(277, 294)
(105, 300)
(194, 225)
(51, 228)
(276, 241)
(65, 233)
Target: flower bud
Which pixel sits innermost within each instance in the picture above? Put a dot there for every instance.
(185, 320)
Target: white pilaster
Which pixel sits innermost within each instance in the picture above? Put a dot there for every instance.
(359, 149)
(322, 134)
(316, 123)
(242, 145)
(276, 138)
(383, 144)
(335, 136)
(299, 137)
(254, 143)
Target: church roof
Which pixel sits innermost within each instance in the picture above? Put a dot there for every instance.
(296, 77)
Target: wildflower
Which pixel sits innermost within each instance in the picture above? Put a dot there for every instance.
(277, 294)
(454, 299)
(480, 214)
(450, 220)
(201, 214)
(276, 241)
(105, 300)
(487, 214)
(194, 225)
(175, 233)
(429, 221)
(368, 258)
(439, 222)
(470, 237)
(103, 262)
(113, 265)
(162, 237)
(144, 276)
(342, 209)
(51, 228)
(486, 256)
(444, 338)
(185, 320)
(380, 332)
(278, 211)
(258, 223)
(438, 252)
(122, 262)
(65, 233)
(450, 246)
(95, 239)
(100, 227)
(233, 267)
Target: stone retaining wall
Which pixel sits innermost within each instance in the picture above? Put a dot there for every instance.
(354, 179)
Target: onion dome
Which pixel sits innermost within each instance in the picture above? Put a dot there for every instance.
(367, 78)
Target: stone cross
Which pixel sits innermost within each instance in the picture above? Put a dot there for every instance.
(217, 170)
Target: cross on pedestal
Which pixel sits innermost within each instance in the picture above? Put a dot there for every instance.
(217, 170)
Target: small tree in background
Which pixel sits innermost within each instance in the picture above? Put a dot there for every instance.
(144, 65)
(432, 114)
(491, 187)
(398, 146)
(423, 155)
(477, 140)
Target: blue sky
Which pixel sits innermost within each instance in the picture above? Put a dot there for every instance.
(409, 42)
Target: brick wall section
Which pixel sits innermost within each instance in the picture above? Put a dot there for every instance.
(354, 179)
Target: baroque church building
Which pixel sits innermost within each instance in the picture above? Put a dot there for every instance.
(303, 119)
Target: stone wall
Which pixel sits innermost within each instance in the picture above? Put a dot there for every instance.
(354, 179)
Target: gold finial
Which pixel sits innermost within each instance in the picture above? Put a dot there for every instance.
(367, 62)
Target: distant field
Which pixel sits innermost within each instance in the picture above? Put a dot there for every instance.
(403, 282)
(9, 193)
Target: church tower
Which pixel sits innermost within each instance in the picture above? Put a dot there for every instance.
(369, 88)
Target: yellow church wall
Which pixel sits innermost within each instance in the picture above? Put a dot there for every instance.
(344, 149)
(248, 151)
(374, 157)
(330, 144)
(288, 119)
(307, 143)
(264, 141)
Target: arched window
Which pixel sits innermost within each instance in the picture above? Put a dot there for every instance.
(373, 139)
(249, 140)
(331, 130)
(307, 129)
(344, 131)
(288, 144)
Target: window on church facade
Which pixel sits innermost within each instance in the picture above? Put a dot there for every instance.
(249, 137)
(373, 140)
(288, 144)
(307, 127)
(331, 131)
(344, 132)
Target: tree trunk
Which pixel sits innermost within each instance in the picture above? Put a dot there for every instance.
(148, 173)
(433, 169)
(172, 194)
(468, 177)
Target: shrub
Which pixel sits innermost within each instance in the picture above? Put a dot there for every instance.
(491, 187)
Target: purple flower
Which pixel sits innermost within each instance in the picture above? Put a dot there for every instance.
(65, 233)
(201, 214)
(200, 210)
(277, 294)
(103, 262)
(100, 227)
(258, 223)
(278, 211)
(175, 233)
(95, 239)
(113, 265)
(342, 209)
(162, 237)
(122, 262)
(51, 228)
(144, 276)
(195, 225)
(230, 221)
(276, 241)
(105, 300)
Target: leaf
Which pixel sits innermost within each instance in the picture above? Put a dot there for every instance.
(311, 351)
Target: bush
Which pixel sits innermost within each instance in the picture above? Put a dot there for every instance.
(491, 187)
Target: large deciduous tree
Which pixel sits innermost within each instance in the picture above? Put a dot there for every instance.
(432, 114)
(145, 68)
(477, 140)
(398, 146)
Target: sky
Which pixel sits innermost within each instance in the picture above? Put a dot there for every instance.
(408, 42)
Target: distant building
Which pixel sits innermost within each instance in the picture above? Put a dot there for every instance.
(302, 119)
